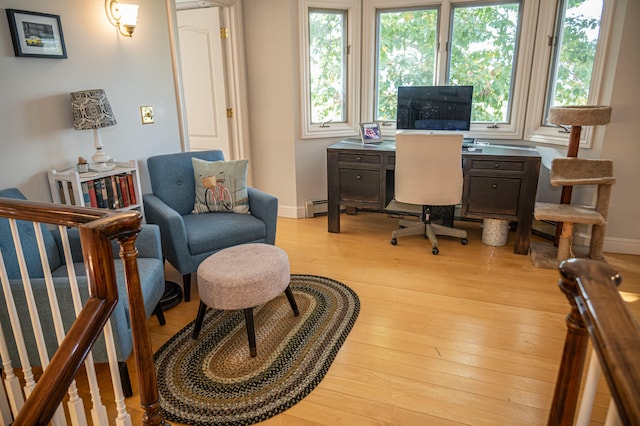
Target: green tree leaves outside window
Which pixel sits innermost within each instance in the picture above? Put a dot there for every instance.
(327, 68)
(483, 49)
(574, 52)
(406, 55)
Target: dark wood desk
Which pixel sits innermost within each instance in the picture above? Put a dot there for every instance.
(500, 182)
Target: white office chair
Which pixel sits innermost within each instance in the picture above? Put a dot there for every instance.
(428, 173)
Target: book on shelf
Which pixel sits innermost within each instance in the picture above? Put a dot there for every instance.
(105, 195)
(132, 190)
(93, 199)
(124, 189)
(117, 197)
(85, 193)
(108, 182)
(98, 186)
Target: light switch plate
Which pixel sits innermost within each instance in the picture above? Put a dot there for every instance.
(146, 112)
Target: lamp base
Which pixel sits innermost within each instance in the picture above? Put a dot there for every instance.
(100, 156)
(102, 167)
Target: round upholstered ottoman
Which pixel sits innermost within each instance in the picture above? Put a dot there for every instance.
(243, 277)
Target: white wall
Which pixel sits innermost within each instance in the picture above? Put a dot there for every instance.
(284, 165)
(272, 92)
(36, 132)
(622, 140)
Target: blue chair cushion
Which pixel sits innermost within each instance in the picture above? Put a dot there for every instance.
(230, 229)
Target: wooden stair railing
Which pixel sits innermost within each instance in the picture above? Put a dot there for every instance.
(97, 228)
(599, 314)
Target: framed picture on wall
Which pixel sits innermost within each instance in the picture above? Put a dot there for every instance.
(370, 132)
(38, 35)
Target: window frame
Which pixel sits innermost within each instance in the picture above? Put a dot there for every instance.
(538, 20)
(481, 126)
(511, 130)
(535, 129)
(376, 46)
(350, 126)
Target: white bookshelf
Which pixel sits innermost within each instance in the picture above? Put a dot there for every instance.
(72, 188)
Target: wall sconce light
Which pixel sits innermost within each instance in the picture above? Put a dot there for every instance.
(123, 16)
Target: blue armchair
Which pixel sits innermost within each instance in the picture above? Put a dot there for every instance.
(150, 267)
(188, 239)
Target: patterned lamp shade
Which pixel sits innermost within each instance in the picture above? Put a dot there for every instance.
(91, 110)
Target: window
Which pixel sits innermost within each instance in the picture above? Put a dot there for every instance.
(521, 57)
(483, 55)
(478, 43)
(331, 54)
(573, 52)
(571, 49)
(327, 65)
(406, 55)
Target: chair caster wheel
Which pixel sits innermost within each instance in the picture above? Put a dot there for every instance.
(464, 241)
(394, 241)
(435, 250)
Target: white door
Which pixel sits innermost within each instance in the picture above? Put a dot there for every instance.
(203, 79)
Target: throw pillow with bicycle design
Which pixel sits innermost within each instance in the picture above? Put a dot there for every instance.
(216, 194)
(220, 186)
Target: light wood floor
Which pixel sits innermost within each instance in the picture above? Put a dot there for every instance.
(472, 336)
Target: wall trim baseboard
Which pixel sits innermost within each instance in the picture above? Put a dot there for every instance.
(293, 212)
(611, 245)
(622, 246)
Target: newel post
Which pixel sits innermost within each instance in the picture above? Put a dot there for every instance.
(565, 398)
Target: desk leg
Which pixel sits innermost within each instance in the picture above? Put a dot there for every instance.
(333, 192)
(333, 210)
(523, 237)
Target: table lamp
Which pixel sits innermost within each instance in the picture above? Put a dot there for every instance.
(91, 110)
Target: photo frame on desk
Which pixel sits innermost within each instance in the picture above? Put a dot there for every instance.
(36, 35)
(370, 132)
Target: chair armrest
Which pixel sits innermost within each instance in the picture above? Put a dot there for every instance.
(172, 229)
(265, 207)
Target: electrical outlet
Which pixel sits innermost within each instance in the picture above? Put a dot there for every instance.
(146, 112)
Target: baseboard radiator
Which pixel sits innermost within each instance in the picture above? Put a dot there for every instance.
(317, 207)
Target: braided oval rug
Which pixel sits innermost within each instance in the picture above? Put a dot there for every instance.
(214, 381)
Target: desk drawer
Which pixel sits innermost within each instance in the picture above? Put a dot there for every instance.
(359, 158)
(492, 196)
(497, 165)
(360, 185)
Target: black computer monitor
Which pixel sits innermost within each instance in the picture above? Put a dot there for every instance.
(434, 107)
